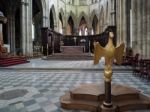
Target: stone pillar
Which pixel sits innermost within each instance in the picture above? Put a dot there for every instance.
(124, 22)
(11, 32)
(63, 30)
(139, 26)
(121, 21)
(144, 28)
(1, 34)
(148, 29)
(118, 17)
(134, 25)
(113, 12)
(26, 27)
(45, 20)
(13, 42)
(29, 29)
(127, 20)
(23, 27)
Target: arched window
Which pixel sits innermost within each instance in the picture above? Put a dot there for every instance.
(85, 31)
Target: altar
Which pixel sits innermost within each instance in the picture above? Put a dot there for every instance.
(72, 50)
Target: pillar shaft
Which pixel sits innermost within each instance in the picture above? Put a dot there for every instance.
(29, 29)
(11, 33)
(26, 27)
(148, 29)
(139, 26)
(23, 27)
(134, 25)
(144, 12)
(13, 42)
(1, 34)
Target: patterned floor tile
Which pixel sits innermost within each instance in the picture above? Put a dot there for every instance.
(50, 85)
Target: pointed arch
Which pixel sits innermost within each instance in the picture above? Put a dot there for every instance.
(52, 17)
(73, 17)
(83, 27)
(101, 21)
(95, 25)
(60, 23)
(82, 14)
(70, 26)
(93, 14)
(61, 11)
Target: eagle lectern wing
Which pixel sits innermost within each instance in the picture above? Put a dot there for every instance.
(98, 53)
(119, 53)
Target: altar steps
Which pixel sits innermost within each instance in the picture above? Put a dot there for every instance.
(9, 61)
(61, 56)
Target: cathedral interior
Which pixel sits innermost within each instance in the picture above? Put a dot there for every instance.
(47, 48)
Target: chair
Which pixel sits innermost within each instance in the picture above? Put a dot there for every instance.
(148, 70)
(129, 60)
(143, 68)
(136, 67)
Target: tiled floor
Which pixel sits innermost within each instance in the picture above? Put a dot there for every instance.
(57, 64)
(45, 87)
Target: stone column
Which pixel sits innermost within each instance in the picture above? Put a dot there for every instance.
(118, 14)
(13, 42)
(1, 34)
(63, 30)
(44, 19)
(123, 22)
(134, 25)
(9, 29)
(29, 29)
(26, 27)
(139, 26)
(144, 28)
(148, 30)
(113, 12)
(23, 27)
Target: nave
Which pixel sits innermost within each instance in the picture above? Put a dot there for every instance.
(40, 83)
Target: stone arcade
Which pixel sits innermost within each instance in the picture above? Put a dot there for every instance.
(47, 50)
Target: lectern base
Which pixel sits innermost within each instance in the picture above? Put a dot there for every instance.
(111, 109)
(90, 97)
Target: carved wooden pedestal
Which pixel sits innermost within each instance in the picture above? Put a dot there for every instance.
(90, 97)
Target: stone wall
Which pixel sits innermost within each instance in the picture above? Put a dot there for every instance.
(132, 18)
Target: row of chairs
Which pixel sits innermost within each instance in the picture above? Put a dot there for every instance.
(129, 60)
(141, 68)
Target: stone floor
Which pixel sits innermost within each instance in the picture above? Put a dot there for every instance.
(37, 64)
(45, 81)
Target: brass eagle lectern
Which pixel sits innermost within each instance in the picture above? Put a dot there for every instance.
(109, 52)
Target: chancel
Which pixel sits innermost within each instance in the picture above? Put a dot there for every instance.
(47, 49)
